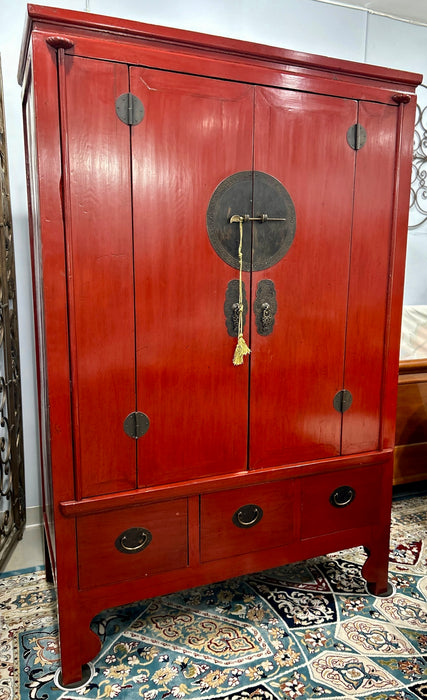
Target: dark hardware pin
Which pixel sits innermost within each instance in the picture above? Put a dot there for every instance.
(262, 218)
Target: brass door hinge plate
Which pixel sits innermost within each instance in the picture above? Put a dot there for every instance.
(356, 136)
(136, 424)
(129, 109)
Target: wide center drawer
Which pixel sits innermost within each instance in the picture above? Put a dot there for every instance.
(245, 520)
(129, 543)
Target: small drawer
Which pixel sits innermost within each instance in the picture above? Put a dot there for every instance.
(339, 501)
(130, 543)
(246, 520)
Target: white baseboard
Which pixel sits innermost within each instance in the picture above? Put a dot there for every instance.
(29, 551)
(34, 516)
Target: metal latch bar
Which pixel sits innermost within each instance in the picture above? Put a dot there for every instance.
(236, 218)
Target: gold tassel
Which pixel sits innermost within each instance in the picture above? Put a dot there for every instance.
(241, 347)
(241, 350)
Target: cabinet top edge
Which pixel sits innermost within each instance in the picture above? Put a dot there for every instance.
(77, 20)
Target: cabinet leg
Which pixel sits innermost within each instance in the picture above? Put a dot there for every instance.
(375, 569)
(78, 644)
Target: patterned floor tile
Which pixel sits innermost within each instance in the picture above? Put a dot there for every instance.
(374, 637)
(403, 611)
(351, 674)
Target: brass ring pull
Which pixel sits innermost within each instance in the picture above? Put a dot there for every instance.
(143, 543)
(342, 496)
(247, 516)
(249, 523)
(133, 540)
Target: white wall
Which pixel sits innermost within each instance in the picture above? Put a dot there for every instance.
(402, 45)
(306, 25)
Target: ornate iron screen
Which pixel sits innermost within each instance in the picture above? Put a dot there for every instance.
(418, 205)
(12, 491)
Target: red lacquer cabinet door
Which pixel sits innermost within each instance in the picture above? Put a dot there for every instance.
(195, 132)
(297, 369)
(98, 229)
(369, 278)
(147, 289)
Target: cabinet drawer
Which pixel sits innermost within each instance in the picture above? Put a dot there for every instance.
(129, 543)
(246, 520)
(339, 501)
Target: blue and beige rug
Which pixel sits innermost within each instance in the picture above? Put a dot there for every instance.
(307, 630)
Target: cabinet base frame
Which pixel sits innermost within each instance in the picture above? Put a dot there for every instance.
(79, 644)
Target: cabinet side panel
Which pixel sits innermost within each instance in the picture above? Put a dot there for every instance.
(404, 151)
(41, 118)
(39, 325)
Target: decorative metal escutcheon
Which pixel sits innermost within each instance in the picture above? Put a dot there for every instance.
(247, 516)
(342, 496)
(265, 307)
(231, 307)
(133, 540)
(136, 424)
(268, 214)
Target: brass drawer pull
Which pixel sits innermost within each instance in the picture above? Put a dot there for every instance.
(133, 540)
(247, 516)
(342, 496)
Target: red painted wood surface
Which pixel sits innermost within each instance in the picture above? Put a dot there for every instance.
(100, 275)
(319, 516)
(174, 40)
(101, 561)
(403, 168)
(368, 303)
(51, 320)
(191, 488)
(301, 140)
(195, 133)
(220, 537)
(95, 241)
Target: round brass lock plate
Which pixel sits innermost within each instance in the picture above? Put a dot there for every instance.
(268, 236)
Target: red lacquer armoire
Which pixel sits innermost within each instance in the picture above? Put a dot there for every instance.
(186, 190)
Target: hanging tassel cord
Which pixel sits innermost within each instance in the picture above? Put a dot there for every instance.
(241, 348)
